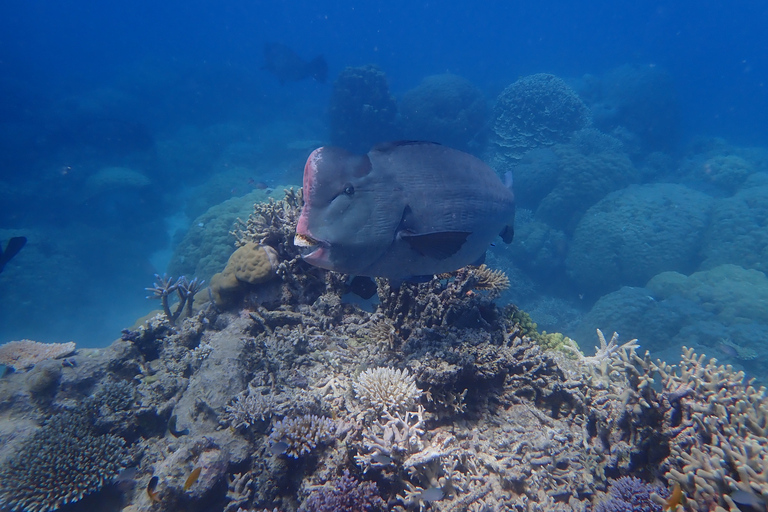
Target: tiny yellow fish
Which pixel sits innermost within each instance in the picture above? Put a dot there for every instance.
(192, 478)
(675, 498)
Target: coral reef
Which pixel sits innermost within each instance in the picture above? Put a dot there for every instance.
(207, 244)
(362, 110)
(537, 110)
(635, 233)
(631, 494)
(303, 434)
(446, 109)
(292, 398)
(59, 464)
(738, 232)
(24, 354)
(249, 265)
(344, 493)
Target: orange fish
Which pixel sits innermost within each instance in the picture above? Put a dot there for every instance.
(675, 498)
(192, 478)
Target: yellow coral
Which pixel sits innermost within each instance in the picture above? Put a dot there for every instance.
(253, 264)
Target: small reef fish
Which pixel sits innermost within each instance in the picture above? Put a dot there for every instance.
(152, 490)
(192, 478)
(172, 428)
(278, 448)
(287, 66)
(406, 209)
(11, 249)
(748, 499)
(432, 494)
(675, 498)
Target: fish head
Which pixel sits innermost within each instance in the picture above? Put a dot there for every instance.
(344, 223)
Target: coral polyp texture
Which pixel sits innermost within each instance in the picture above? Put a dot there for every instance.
(387, 389)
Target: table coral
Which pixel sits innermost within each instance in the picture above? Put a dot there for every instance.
(24, 354)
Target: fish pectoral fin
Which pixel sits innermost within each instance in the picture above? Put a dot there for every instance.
(440, 245)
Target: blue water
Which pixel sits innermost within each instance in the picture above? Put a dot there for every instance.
(174, 94)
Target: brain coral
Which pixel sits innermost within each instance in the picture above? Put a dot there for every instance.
(444, 108)
(59, 464)
(537, 110)
(253, 263)
(739, 231)
(635, 233)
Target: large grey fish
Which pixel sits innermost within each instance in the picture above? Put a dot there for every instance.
(287, 66)
(404, 210)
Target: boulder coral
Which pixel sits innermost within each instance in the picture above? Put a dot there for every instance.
(446, 108)
(588, 169)
(537, 110)
(362, 110)
(738, 232)
(635, 233)
(251, 264)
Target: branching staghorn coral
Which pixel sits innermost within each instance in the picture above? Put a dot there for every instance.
(184, 288)
(272, 223)
(303, 434)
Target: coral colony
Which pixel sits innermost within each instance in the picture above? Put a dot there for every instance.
(268, 390)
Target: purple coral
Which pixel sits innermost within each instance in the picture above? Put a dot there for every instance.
(344, 493)
(630, 494)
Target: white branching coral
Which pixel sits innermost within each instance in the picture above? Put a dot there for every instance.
(606, 351)
(387, 389)
(247, 408)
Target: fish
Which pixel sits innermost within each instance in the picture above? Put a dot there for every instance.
(278, 448)
(404, 210)
(192, 478)
(152, 490)
(431, 494)
(675, 498)
(287, 66)
(172, 428)
(13, 247)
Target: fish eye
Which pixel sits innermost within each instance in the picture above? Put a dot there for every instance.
(349, 190)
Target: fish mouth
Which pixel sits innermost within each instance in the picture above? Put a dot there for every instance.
(311, 248)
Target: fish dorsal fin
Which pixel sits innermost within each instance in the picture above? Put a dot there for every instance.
(507, 234)
(439, 245)
(385, 147)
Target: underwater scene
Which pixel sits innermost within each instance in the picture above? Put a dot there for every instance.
(366, 256)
